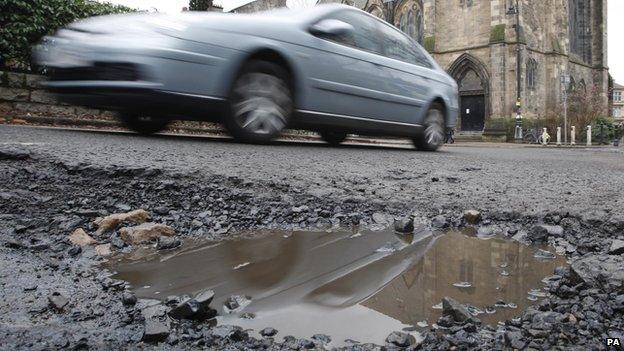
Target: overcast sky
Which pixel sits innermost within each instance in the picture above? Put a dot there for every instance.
(615, 30)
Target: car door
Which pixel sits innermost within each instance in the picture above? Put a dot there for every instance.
(409, 73)
(345, 75)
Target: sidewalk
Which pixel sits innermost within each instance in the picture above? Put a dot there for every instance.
(108, 126)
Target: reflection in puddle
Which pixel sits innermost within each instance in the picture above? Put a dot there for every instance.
(502, 292)
(360, 287)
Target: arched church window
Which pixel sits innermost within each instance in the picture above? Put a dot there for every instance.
(411, 22)
(572, 85)
(531, 74)
(402, 23)
(420, 31)
(411, 25)
(582, 87)
(579, 19)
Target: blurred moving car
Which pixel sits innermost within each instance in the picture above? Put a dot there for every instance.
(331, 68)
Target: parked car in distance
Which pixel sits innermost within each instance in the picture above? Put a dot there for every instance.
(331, 68)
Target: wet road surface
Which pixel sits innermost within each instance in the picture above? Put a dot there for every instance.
(525, 179)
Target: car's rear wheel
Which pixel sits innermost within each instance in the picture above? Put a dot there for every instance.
(261, 103)
(144, 124)
(333, 137)
(433, 130)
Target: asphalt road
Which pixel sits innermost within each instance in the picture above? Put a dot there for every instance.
(495, 177)
(54, 181)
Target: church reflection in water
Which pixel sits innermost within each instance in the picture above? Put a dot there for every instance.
(497, 270)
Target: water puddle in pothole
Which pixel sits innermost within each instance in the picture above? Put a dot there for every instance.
(357, 287)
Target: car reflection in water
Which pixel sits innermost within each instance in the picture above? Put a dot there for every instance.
(340, 283)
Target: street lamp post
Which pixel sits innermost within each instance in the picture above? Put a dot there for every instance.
(515, 10)
(565, 80)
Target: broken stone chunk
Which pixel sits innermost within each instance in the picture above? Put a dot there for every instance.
(472, 216)
(12, 153)
(74, 251)
(439, 221)
(197, 308)
(400, 339)
(236, 303)
(379, 218)
(599, 271)
(128, 299)
(81, 238)
(103, 250)
(404, 225)
(231, 332)
(617, 247)
(167, 243)
(321, 338)
(455, 310)
(58, 301)
(537, 234)
(541, 232)
(155, 331)
(145, 232)
(268, 332)
(111, 222)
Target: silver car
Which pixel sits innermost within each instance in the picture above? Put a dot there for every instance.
(332, 69)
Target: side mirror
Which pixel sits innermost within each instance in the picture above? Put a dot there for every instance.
(332, 27)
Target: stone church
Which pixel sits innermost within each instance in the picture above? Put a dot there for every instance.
(502, 51)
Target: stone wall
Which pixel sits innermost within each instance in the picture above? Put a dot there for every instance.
(21, 97)
(260, 5)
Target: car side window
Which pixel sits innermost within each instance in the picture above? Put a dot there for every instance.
(364, 36)
(399, 47)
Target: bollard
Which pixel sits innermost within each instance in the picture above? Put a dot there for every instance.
(589, 136)
(545, 136)
(573, 136)
(518, 132)
(559, 136)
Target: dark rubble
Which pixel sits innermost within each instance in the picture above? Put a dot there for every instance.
(57, 296)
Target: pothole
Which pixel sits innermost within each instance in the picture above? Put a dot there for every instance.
(355, 286)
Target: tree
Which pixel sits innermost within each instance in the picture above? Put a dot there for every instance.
(200, 5)
(25, 22)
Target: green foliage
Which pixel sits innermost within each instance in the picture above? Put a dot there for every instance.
(25, 22)
(605, 130)
(497, 34)
(200, 5)
(500, 126)
(429, 43)
(507, 126)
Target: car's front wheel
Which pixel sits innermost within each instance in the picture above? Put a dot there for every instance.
(144, 124)
(333, 137)
(433, 130)
(261, 103)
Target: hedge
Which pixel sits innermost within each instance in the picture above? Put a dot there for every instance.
(24, 22)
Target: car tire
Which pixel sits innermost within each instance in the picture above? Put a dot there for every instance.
(333, 138)
(434, 129)
(145, 125)
(261, 103)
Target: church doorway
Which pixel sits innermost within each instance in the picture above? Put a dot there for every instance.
(473, 83)
(472, 112)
